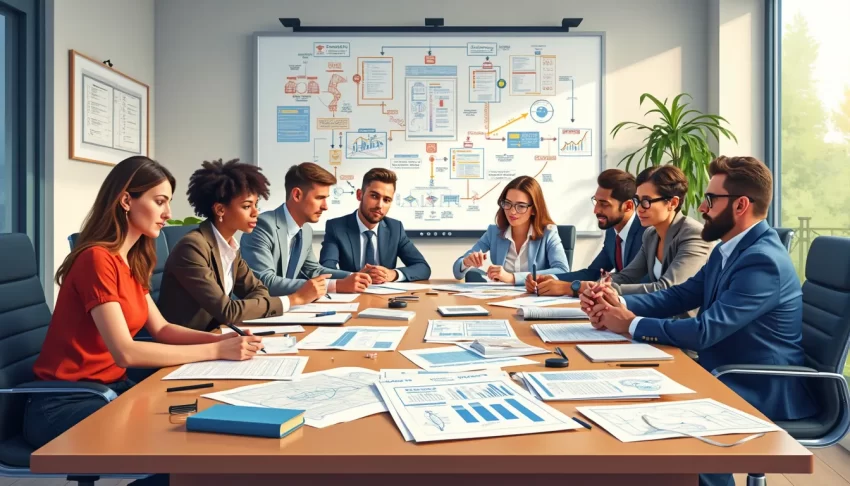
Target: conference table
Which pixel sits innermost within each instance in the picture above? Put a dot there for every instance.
(136, 434)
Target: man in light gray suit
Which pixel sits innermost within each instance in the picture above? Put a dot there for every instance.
(280, 250)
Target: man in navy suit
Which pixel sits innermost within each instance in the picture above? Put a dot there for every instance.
(614, 207)
(367, 241)
(748, 293)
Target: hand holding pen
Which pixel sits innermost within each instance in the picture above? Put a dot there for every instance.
(243, 348)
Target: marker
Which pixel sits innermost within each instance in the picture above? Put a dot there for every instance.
(583, 423)
(188, 387)
(534, 277)
(264, 333)
(239, 332)
(638, 365)
(322, 314)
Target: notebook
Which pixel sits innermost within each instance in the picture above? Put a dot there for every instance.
(389, 314)
(240, 420)
(600, 353)
(306, 318)
(532, 313)
(462, 310)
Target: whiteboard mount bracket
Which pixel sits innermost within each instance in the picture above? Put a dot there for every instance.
(431, 25)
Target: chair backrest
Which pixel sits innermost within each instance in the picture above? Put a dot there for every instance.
(174, 233)
(826, 319)
(24, 317)
(786, 235)
(568, 239)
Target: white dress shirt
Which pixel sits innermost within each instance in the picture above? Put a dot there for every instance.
(725, 250)
(516, 261)
(362, 260)
(227, 250)
(292, 229)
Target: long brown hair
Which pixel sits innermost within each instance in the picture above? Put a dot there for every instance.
(540, 218)
(107, 225)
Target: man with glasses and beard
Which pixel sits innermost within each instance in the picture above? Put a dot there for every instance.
(614, 207)
(748, 293)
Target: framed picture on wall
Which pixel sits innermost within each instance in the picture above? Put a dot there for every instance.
(109, 112)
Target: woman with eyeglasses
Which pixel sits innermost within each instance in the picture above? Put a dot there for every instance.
(672, 249)
(524, 238)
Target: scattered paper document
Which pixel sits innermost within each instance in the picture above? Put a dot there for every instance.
(280, 345)
(603, 384)
(534, 300)
(354, 338)
(492, 293)
(334, 297)
(394, 373)
(382, 290)
(498, 348)
(328, 397)
(703, 417)
(574, 333)
(307, 318)
(449, 407)
(602, 353)
(531, 313)
(257, 368)
(462, 310)
(454, 358)
(275, 329)
(402, 286)
(442, 331)
(475, 286)
(389, 314)
(316, 308)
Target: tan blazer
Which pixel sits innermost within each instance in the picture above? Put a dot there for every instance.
(685, 252)
(192, 291)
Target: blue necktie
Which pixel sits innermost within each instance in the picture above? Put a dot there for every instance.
(370, 249)
(294, 254)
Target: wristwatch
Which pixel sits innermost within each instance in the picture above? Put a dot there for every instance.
(576, 287)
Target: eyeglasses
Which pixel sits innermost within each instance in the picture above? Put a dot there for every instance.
(520, 207)
(647, 203)
(179, 413)
(709, 198)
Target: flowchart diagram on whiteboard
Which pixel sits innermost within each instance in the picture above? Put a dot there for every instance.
(455, 116)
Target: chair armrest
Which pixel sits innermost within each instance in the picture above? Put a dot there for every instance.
(99, 389)
(750, 369)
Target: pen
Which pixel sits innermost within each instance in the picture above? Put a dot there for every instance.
(322, 314)
(583, 423)
(188, 387)
(239, 332)
(534, 277)
(637, 365)
(264, 333)
(561, 352)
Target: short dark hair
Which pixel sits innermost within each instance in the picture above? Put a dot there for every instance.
(746, 176)
(668, 179)
(381, 175)
(621, 184)
(220, 182)
(304, 175)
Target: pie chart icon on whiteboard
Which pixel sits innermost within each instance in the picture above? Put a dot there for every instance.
(541, 111)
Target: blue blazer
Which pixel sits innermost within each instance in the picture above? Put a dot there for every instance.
(547, 252)
(750, 313)
(341, 247)
(605, 259)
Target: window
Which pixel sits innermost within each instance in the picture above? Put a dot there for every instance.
(815, 121)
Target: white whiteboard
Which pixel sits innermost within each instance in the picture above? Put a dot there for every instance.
(456, 116)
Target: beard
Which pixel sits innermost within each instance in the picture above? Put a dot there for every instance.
(371, 217)
(719, 225)
(609, 222)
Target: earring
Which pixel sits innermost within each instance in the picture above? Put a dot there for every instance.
(221, 219)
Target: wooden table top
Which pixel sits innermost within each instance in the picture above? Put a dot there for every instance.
(135, 433)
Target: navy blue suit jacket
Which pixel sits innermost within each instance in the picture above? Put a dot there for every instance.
(341, 247)
(750, 313)
(605, 259)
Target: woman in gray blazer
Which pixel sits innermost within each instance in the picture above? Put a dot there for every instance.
(672, 249)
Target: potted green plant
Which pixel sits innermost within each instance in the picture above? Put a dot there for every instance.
(185, 222)
(679, 137)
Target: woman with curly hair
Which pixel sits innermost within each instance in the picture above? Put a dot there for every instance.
(206, 282)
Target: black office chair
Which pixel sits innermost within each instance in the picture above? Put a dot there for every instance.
(786, 235)
(826, 338)
(568, 239)
(24, 317)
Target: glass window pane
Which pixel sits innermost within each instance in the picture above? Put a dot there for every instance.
(5, 167)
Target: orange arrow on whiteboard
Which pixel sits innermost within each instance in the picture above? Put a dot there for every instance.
(521, 117)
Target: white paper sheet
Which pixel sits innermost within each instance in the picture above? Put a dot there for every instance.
(603, 384)
(475, 287)
(371, 338)
(275, 329)
(346, 307)
(381, 290)
(531, 313)
(444, 330)
(257, 368)
(558, 332)
(403, 286)
(454, 358)
(491, 294)
(702, 417)
(449, 407)
(330, 298)
(328, 397)
(280, 345)
(306, 318)
(516, 348)
(534, 300)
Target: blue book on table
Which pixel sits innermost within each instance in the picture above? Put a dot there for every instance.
(239, 420)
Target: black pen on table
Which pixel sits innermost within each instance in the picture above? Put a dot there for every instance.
(561, 352)
(583, 423)
(637, 365)
(188, 387)
(239, 332)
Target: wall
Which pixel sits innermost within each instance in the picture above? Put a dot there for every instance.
(204, 72)
(120, 30)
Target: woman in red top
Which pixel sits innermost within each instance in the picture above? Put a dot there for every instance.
(104, 301)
